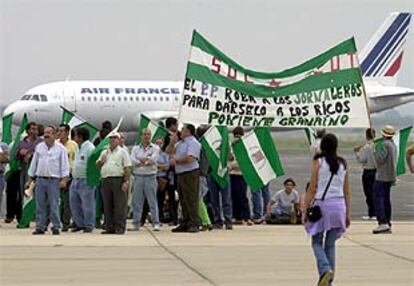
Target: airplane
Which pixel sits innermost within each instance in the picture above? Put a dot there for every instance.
(97, 101)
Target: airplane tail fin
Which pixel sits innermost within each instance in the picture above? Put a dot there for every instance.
(381, 58)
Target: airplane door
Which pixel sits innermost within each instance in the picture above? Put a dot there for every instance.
(69, 97)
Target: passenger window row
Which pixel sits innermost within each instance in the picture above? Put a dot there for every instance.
(126, 98)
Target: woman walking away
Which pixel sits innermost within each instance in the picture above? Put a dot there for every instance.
(329, 215)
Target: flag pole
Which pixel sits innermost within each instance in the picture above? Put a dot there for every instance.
(365, 92)
(182, 93)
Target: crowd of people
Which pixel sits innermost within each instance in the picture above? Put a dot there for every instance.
(166, 182)
(170, 182)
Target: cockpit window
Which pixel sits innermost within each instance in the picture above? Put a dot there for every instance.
(37, 97)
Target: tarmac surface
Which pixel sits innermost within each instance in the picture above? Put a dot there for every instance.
(248, 255)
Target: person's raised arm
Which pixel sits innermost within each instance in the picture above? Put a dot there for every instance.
(171, 146)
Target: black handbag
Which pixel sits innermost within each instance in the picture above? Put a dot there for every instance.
(314, 213)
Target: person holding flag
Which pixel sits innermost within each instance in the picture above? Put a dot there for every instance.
(240, 202)
(185, 154)
(24, 153)
(385, 159)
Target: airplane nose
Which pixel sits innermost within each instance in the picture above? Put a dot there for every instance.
(17, 111)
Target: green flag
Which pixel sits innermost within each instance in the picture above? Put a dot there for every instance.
(13, 163)
(157, 131)
(325, 91)
(400, 139)
(258, 158)
(7, 129)
(93, 174)
(215, 144)
(75, 121)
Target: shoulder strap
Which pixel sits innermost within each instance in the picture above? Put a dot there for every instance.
(327, 186)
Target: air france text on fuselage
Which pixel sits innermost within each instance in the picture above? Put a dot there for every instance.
(129, 90)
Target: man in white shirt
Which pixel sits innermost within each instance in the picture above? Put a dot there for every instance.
(50, 169)
(144, 159)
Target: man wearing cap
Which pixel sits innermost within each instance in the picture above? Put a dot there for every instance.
(385, 159)
(115, 172)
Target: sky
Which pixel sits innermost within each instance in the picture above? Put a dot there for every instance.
(53, 40)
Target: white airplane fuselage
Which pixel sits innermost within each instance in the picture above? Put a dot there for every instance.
(97, 101)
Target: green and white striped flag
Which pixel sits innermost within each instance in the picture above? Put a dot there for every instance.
(325, 91)
(93, 174)
(215, 143)
(310, 135)
(157, 131)
(258, 158)
(75, 121)
(21, 133)
(7, 129)
(400, 139)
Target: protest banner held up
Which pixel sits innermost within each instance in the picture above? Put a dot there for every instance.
(325, 91)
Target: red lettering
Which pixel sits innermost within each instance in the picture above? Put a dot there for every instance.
(335, 65)
(216, 63)
(246, 79)
(351, 59)
(232, 73)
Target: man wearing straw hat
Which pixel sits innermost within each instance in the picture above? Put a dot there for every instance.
(385, 159)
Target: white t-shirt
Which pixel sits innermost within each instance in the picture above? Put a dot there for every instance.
(284, 199)
(336, 189)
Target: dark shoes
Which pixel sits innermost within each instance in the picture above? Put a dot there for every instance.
(217, 226)
(55, 232)
(208, 227)
(76, 229)
(180, 228)
(8, 220)
(108, 232)
(65, 228)
(229, 226)
(87, 230)
(38, 231)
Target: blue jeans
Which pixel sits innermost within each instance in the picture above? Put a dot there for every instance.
(2, 191)
(260, 199)
(145, 187)
(226, 204)
(82, 203)
(47, 194)
(324, 251)
(281, 211)
(382, 201)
